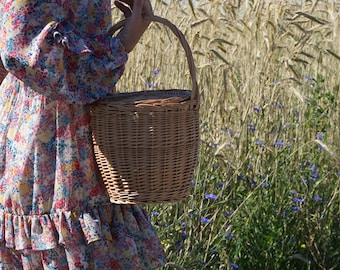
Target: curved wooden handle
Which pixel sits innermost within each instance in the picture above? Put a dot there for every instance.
(183, 41)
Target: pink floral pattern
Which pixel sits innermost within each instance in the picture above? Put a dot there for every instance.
(54, 210)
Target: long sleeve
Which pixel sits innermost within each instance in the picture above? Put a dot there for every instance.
(61, 48)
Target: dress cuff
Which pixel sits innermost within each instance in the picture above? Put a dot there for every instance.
(118, 53)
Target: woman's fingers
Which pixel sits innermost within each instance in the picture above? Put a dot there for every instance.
(135, 24)
(138, 6)
(147, 8)
(123, 8)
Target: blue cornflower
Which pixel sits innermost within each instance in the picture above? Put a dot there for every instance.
(257, 109)
(228, 213)
(314, 168)
(278, 105)
(298, 200)
(319, 136)
(315, 175)
(230, 133)
(233, 265)
(251, 127)
(338, 173)
(292, 191)
(279, 143)
(317, 198)
(296, 208)
(264, 184)
(250, 166)
(156, 72)
(229, 235)
(154, 213)
(184, 235)
(210, 196)
(261, 143)
(219, 185)
(149, 84)
(205, 220)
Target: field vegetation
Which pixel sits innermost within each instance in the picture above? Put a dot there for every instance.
(266, 193)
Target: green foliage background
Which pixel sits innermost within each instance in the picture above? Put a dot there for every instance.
(266, 191)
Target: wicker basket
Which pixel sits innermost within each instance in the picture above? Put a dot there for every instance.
(146, 142)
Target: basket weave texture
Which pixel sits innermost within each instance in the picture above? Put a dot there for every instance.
(146, 142)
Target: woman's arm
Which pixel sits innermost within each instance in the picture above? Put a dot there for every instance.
(41, 45)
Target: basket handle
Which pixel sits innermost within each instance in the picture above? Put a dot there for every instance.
(183, 41)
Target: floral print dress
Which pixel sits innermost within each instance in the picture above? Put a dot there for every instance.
(54, 211)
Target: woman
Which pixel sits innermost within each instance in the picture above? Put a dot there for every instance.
(54, 211)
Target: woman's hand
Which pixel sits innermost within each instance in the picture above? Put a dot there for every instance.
(135, 25)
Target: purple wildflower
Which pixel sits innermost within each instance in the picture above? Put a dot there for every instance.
(296, 208)
(292, 191)
(205, 220)
(154, 213)
(229, 235)
(279, 143)
(261, 143)
(219, 185)
(210, 196)
(315, 175)
(228, 213)
(319, 136)
(251, 127)
(230, 133)
(149, 84)
(298, 200)
(314, 168)
(233, 266)
(317, 198)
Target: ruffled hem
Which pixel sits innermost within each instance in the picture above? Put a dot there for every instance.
(120, 236)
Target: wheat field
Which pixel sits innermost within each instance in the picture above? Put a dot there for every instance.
(266, 193)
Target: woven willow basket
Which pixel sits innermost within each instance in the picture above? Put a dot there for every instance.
(146, 142)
